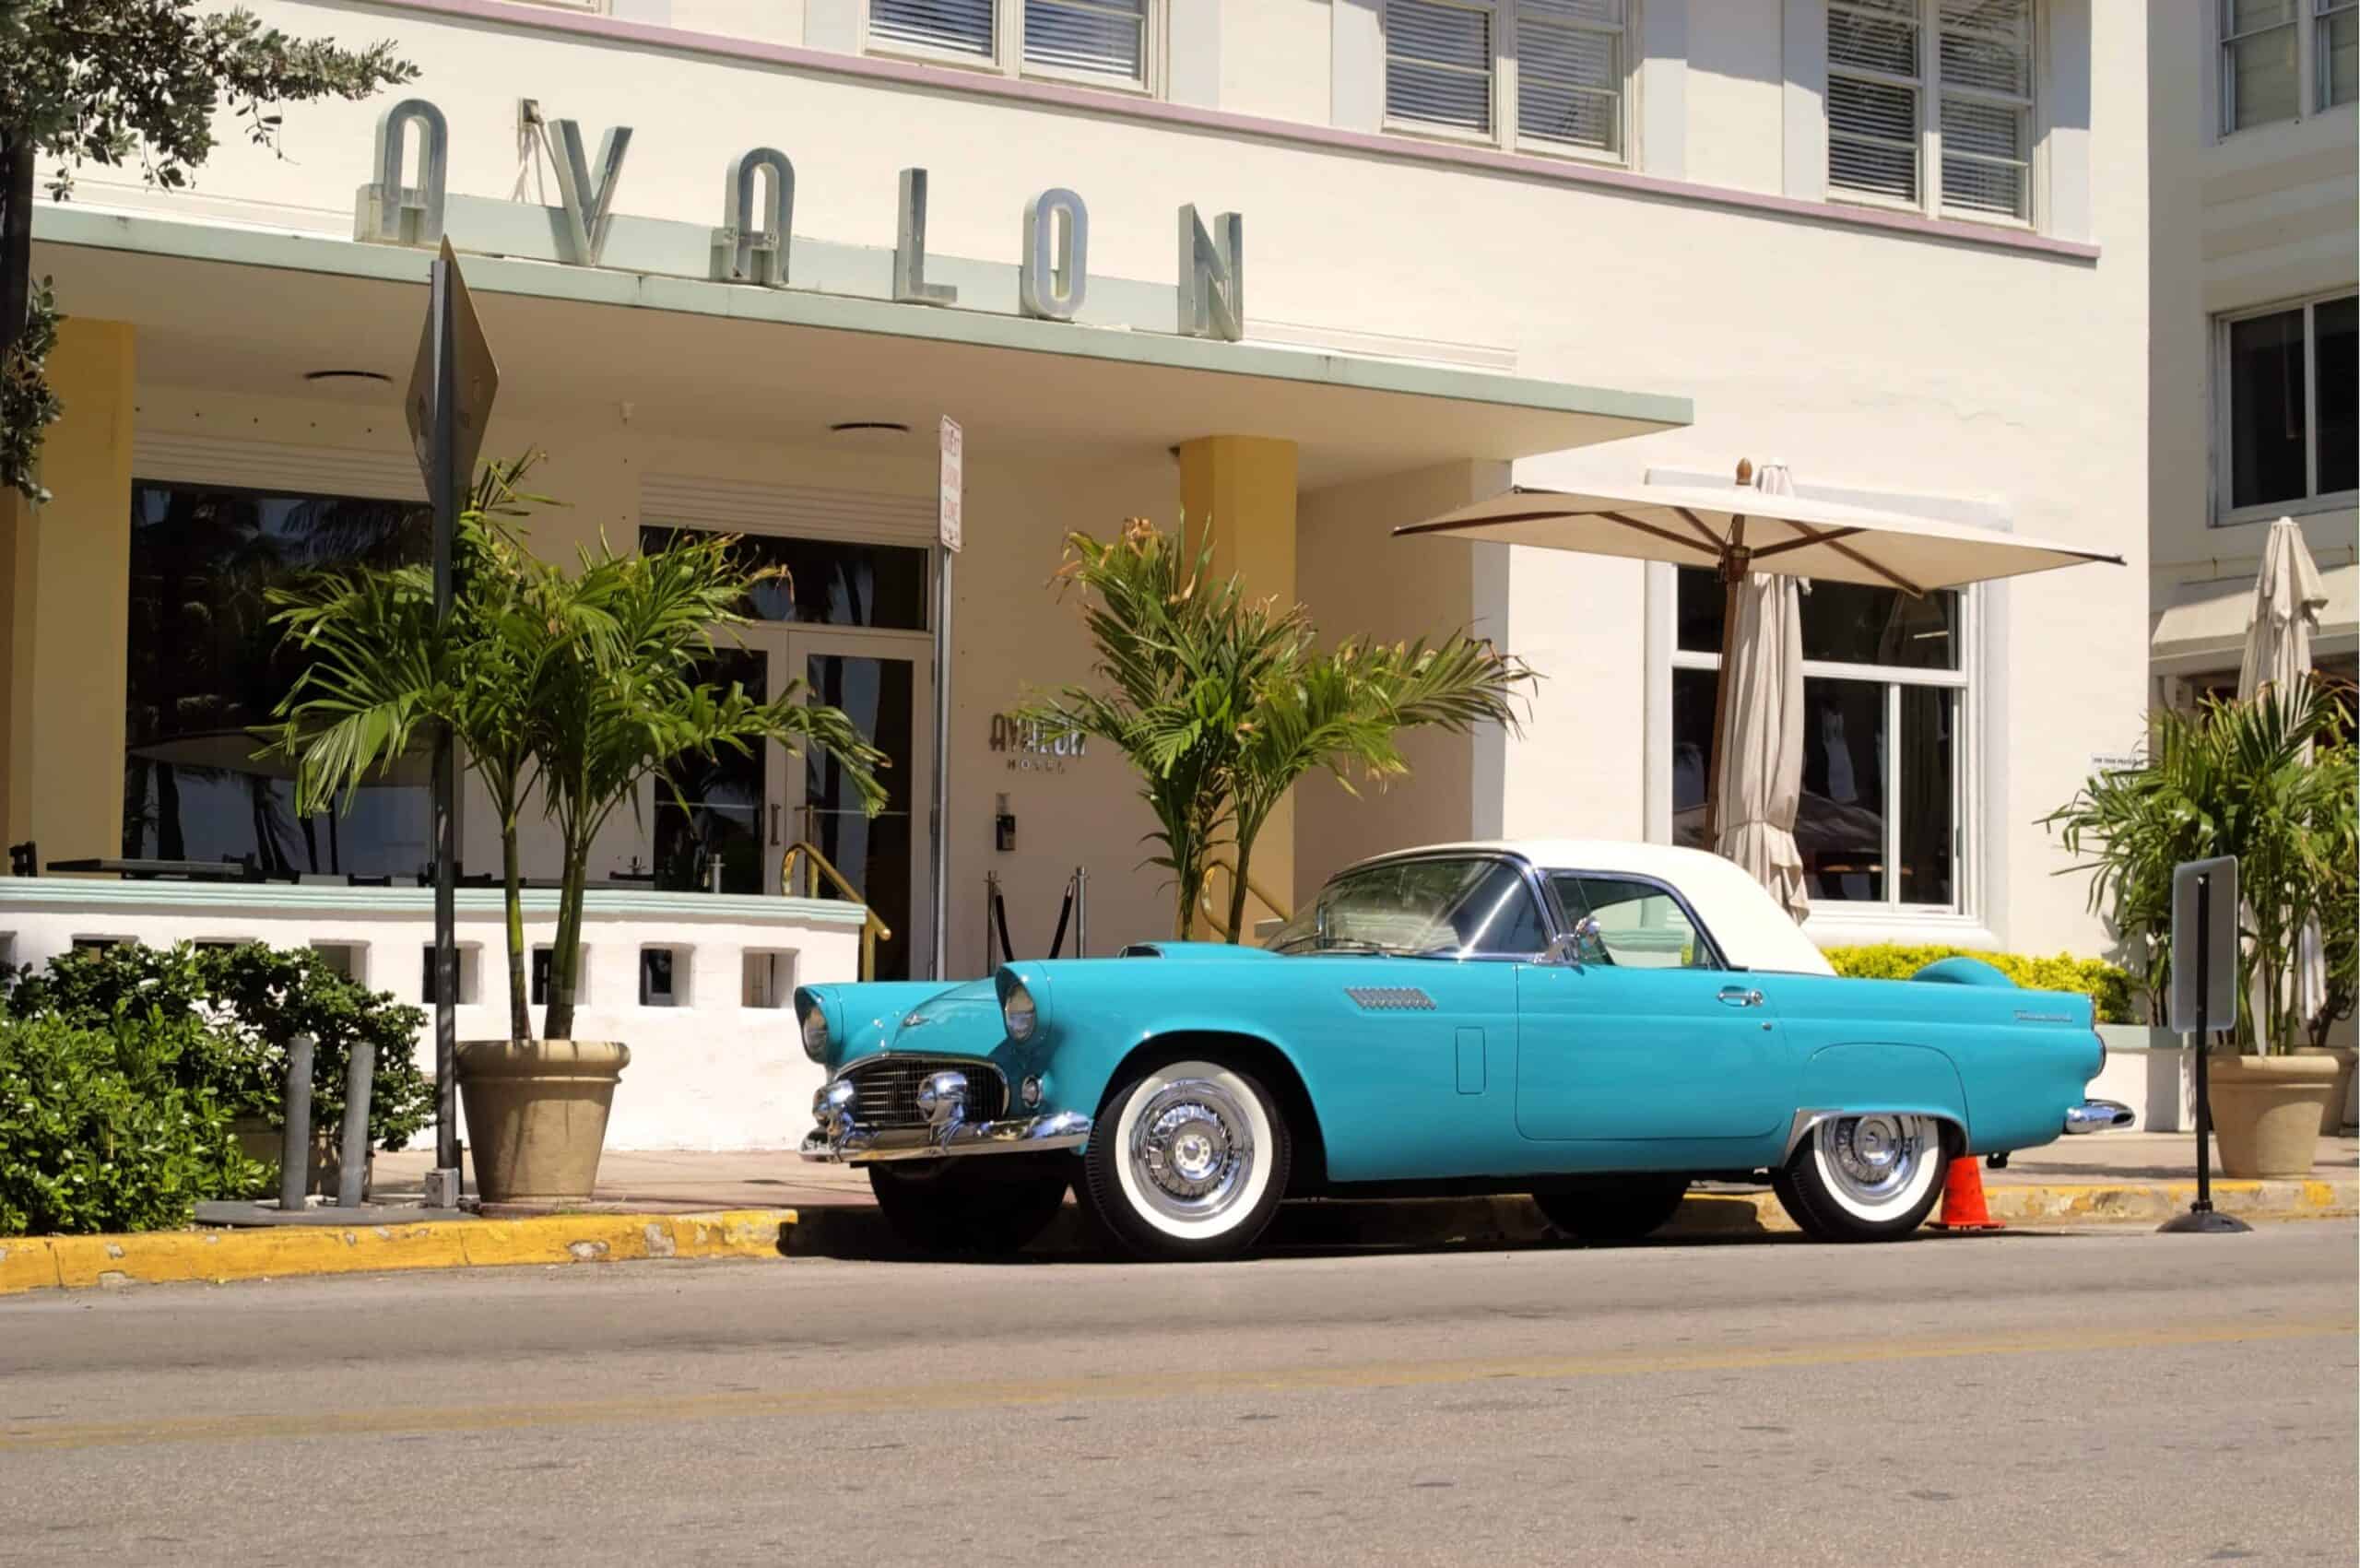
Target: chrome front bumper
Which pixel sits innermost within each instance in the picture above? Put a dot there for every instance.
(2099, 1115)
(841, 1138)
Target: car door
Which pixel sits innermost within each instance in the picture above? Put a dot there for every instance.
(1648, 1036)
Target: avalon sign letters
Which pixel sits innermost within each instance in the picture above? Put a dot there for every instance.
(755, 243)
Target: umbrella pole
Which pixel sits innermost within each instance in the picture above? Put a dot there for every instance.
(1735, 561)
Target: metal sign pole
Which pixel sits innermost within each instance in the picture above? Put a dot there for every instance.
(949, 530)
(2202, 1217)
(446, 487)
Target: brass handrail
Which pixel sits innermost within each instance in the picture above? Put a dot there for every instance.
(872, 930)
(1254, 889)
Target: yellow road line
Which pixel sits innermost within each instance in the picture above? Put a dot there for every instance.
(922, 1397)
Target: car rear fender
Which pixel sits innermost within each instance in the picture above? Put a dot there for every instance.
(1853, 1079)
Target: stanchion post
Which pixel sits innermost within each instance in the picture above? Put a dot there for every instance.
(1081, 912)
(2201, 879)
(359, 1078)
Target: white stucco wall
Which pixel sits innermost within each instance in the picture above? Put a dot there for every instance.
(1941, 364)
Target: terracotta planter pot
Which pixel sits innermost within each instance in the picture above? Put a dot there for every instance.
(2346, 1059)
(257, 1140)
(536, 1115)
(2266, 1111)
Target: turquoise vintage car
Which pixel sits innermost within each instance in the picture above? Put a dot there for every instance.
(1596, 1024)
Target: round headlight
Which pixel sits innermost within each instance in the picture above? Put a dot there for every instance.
(1018, 1012)
(815, 1032)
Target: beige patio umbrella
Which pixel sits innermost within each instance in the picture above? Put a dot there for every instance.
(1737, 531)
(2287, 598)
(1758, 771)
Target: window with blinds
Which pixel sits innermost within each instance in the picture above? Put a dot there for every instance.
(954, 27)
(1438, 63)
(1543, 74)
(1569, 72)
(1957, 73)
(2336, 48)
(2260, 77)
(1093, 38)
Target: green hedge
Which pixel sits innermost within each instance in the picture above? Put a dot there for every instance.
(246, 1003)
(2107, 986)
(97, 1133)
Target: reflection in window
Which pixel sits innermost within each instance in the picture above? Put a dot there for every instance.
(1639, 925)
(1880, 821)
(204, 667)
(1437, 908)
(824, 582)
(2293, 403)
(714, 818)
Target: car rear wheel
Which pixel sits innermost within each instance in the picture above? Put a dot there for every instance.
(1870, 1178)
(1189, 1161)
(979, 1206)
(1613, 1208)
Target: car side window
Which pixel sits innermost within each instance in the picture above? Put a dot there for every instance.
(1440, 908)
(1639, 925)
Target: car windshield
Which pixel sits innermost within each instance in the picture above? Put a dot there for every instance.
(1441, 908)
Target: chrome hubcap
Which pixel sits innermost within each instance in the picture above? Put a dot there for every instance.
(1192, 1150)
(1872, 1158)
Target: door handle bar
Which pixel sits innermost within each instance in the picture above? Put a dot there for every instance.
(1739, 997)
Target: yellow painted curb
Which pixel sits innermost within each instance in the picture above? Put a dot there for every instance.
(80, 1262)
(1708, 1213)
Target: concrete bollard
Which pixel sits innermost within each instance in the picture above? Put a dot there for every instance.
(359, 1077)
(295, 1150)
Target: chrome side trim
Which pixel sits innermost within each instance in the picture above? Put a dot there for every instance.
(2098, 1115)
(846, 1142)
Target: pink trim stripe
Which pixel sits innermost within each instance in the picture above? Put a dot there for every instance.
(976, 84)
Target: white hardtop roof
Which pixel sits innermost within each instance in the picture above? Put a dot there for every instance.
(1751, 930)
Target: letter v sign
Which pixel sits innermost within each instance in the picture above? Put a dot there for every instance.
(587, 206)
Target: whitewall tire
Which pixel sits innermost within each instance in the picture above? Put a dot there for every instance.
(1188, 1159)
(1868, 1178)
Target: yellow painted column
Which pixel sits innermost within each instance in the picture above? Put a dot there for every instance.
(66, 597)
(1243, 489)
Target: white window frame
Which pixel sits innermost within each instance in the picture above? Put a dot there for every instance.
(1929, 89)
(1505, 132)
(2226, 515)
(1007, 52)
(2322, 91)
(1966, 767)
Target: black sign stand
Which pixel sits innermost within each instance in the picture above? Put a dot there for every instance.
(2202, 1217)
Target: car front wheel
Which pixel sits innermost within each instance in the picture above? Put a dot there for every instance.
(1189, 1161)
(1871, 1178)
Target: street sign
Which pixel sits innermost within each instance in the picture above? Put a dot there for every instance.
(953, 484)
(477, 379)
(2205, 946)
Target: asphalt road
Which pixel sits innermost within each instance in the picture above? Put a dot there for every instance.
(2101, 1397)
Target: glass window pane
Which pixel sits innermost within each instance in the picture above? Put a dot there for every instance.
(205, 666)
(963, 26)
(1841, 825)
(1446, 908)
(2339, 47)
(1639, 925)
(1872, 138)
(2247, 16)
(2333, 325)
(716, 815)
(873, 853)
(1928, 795)
(1438, 63)
(1702, 604)
(2263, 83)
(1842, 623)
(1568, 82)
(1103, 36)
(1692, 753)
(2266, 461)
(1873, 42)
(826, 581)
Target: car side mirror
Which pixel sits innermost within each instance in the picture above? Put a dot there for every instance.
(1575, 947)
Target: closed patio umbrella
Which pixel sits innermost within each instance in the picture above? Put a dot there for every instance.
(1739, 532)
(2287, 598)
(1759, 749)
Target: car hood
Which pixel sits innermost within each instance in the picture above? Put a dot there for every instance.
(950, 1014)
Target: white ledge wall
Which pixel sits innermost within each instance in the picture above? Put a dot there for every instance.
(712, 1074)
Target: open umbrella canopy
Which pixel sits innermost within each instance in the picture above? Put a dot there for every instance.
(1745, 529)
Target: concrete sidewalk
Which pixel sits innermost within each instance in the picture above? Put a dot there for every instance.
(2105, 1177)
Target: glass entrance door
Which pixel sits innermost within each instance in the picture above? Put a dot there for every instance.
(883, 682)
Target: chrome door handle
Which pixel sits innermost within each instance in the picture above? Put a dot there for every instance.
(1738, 996)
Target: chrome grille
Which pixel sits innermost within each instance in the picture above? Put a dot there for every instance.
(886, 1088)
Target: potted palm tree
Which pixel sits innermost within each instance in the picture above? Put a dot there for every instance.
(571, 688)
(1222, 702)
(2270, 780)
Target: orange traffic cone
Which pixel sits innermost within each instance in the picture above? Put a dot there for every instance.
(1962, 1207)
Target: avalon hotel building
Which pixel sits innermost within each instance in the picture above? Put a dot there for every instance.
(1301, 269)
